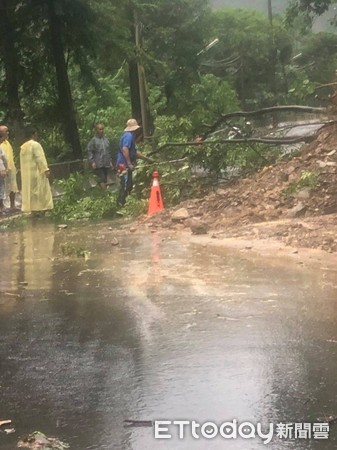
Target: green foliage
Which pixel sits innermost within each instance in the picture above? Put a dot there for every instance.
(258, 51)
(201, 165)
(41, 441)
(252, 66)
(307, 179)
(14, 223)
(174, 32)
(176, 178)
(173, 129)
(176, 182)
(74, 186)
(109, 106)
(300, 87)
(134, 206)
(308, 8)
(210, 98)
(82, 201)
(182, 84)
(319, 57)
(251, 157)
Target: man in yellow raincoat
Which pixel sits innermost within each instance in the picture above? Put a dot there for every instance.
(3, 173)
(11, 184)
(35, 192)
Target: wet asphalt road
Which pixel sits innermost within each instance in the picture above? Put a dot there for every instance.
(158, 328)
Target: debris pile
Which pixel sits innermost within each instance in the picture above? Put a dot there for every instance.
(39, 441)
(294, 201)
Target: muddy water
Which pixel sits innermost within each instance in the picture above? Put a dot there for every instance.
(157, 328)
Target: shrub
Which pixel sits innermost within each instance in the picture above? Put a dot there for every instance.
(81, 200)
(307, 179)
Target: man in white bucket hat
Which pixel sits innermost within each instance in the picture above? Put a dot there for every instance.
(132, 125)
(127, 158)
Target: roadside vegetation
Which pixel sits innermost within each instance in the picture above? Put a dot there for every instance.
(87, 54)
(308, 179)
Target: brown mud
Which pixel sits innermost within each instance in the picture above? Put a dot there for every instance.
(293, 202)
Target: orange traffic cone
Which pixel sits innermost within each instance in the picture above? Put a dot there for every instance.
(156, 202)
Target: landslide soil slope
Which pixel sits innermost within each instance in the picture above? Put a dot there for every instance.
(273, 203)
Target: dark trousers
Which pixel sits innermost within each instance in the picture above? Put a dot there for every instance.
(102, 174)
(125, 188)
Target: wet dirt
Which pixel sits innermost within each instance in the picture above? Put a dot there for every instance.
(293, 201)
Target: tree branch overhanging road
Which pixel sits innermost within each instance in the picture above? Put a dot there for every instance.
(251, 140)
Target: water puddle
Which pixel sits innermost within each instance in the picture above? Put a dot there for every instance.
(157, 328)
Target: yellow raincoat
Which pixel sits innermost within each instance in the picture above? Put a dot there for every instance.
(36, 193)
(11, 184)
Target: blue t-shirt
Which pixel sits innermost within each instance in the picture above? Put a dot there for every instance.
(127, 140)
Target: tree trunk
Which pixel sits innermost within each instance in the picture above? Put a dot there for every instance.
(15, 114)
(134, 90)
(139, 99)
(66, 105)
(270, 12)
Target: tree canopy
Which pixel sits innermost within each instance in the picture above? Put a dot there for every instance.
(308, 9)
(69, 63)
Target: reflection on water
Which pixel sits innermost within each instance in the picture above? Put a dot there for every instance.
(27, 259)
(159, 329)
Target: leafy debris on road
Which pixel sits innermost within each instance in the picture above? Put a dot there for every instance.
(39, 441)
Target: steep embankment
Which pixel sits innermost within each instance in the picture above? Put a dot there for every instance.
(294, 201)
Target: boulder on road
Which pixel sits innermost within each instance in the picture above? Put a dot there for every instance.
(180, 214)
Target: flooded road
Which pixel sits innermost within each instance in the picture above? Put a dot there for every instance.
(157, 328)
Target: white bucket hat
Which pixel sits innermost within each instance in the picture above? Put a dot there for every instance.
(132, 125)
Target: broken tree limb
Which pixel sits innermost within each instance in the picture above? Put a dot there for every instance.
(260, 112)
(261, 140)
(326, 85)
(264, 140)
(272, 109)
(168, 161)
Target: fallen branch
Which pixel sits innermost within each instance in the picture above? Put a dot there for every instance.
(169, 161)
(269, 141)
(326, 85)
(260, 112)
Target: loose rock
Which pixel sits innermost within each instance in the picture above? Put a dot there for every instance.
(180, 214)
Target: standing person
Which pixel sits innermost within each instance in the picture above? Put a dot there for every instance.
(127, 158)
(99, 155)
(11, 184)
(36, 193)
(3, 173)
